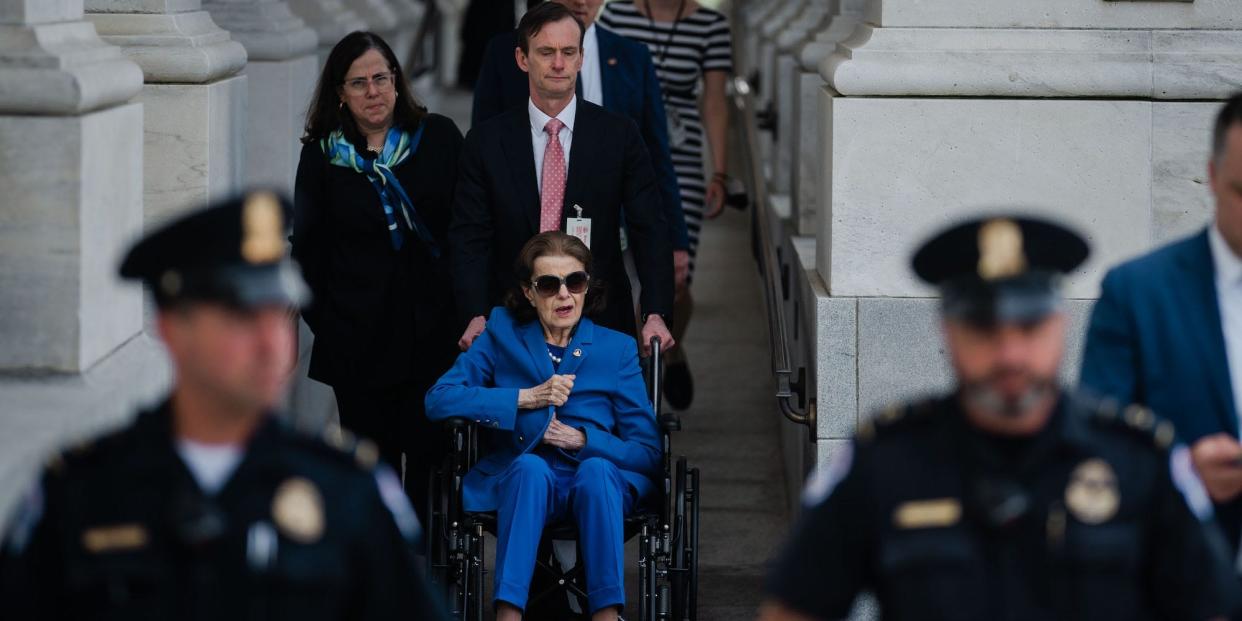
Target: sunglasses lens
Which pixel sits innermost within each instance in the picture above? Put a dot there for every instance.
(576, 282)
(548, 285)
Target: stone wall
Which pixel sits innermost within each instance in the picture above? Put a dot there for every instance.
(908, 115)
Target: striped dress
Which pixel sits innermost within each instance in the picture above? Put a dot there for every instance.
(699, 42)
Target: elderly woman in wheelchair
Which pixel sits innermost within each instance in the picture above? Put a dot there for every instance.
(573, 434)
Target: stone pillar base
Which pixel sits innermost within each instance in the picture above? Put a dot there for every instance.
(280, 92)
(194, 145)
(72, 200)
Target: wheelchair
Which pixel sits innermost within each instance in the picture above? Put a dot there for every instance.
(667, 531)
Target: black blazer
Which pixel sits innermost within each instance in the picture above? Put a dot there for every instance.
(496, 211)
(630, 88)
(380, 316)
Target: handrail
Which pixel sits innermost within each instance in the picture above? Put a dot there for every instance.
(787, 388)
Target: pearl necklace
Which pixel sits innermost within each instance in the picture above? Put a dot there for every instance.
(555, 358)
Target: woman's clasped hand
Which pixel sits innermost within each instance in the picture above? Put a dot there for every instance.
(563, 436)
(553, 392)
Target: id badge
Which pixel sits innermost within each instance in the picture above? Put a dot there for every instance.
(579, 227)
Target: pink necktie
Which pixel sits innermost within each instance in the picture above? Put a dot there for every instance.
(552, 196)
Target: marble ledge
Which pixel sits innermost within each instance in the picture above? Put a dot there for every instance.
(61, 69)
(269, 31)
(330, 19)
(184, 48)
(1028, 63)
(814, 51)
(803, 29)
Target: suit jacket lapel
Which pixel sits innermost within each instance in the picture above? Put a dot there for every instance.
(519, 151)
(581, 158)
(578, 347)
(1201, 279)
(532, 334)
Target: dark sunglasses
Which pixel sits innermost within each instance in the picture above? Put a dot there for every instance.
(550, 285)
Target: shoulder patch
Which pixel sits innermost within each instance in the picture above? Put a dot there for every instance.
(363, 452)
(894, 416)
(1137, 419)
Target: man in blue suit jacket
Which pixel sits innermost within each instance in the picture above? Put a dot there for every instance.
(1167, 332)
(620, 77)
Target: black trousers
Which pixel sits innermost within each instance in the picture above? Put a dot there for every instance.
(394, 418)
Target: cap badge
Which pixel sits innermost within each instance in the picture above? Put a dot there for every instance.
(933, 513)
(170, 283)
(297, 510)
(1000, 250)
(262, 224)
(1092, 494)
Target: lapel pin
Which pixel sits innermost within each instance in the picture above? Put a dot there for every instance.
(577, 353)
(612, 62)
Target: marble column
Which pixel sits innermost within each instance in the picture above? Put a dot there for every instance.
(750, 20)
(69, 166)
(766, 97)
(785, 68)
(193, 98)
(72, 354)
(410, 15)
(452, 13)
(379, 15)
(280, 77)
(1093, 112)
(330, 19)
(803, 120)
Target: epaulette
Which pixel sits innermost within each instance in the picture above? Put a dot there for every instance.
(1137, 419)
(362, 451)
(893, 416)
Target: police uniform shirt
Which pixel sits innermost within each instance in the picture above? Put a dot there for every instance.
(1089, 519)
(301, 530)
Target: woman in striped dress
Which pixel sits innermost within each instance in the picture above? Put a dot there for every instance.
(691, 48)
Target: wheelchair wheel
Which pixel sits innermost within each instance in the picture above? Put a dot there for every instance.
(683, 570)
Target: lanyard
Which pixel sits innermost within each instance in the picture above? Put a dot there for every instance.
(663, 51)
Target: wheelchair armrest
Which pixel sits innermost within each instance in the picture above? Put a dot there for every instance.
(670, 421)
(457, 423)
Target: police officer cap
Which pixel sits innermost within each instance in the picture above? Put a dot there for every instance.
(231, 253)
(1001, 268)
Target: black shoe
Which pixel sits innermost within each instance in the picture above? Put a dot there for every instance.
(678, 385)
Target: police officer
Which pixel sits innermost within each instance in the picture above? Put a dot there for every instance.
(207, 506)
(1010, 498)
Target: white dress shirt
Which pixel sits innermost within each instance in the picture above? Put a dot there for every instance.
(592, 83)
(1229, 300)
(211, 464)
(539, 138)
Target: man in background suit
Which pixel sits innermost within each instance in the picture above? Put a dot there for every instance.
(529, 169)
(617, 74)
(1167, 331)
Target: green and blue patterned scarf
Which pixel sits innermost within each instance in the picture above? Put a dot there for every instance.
(398, 145)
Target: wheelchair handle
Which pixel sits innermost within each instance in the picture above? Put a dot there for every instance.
(657, 361)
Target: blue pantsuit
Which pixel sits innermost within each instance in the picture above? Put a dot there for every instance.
(541, 489)
(530, 484)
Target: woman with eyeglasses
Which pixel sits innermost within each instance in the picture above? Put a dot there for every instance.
(371, 211)
(563, 405)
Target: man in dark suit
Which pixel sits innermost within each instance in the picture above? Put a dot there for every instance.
(1167, 331)
(618, 74)
(531, 168)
